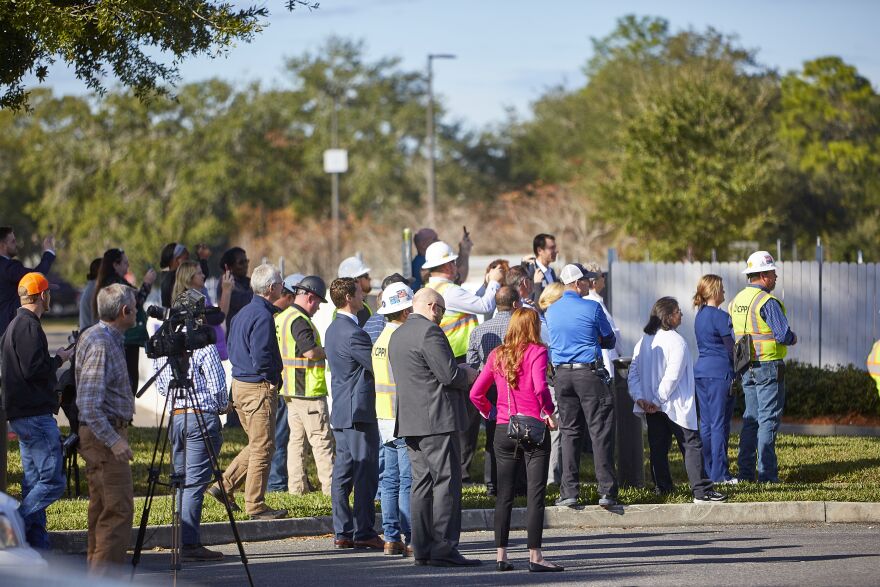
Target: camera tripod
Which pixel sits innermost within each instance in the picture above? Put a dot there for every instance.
(180, 395)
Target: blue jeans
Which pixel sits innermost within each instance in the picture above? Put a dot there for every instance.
(278, 470)
(764, 391)
(39, 442)
(716, 409)
(396, 484)
(194, 465)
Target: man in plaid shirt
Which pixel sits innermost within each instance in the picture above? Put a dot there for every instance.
(106, 407)
(190, 456)
(483, 340)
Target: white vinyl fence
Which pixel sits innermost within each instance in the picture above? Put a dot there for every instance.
(839, 332)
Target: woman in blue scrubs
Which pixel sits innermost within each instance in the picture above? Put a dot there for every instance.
(713, 374)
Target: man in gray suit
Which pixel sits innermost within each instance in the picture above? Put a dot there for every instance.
(353, 420)
(431, 394)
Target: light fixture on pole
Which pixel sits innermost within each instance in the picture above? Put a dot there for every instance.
(432, 184)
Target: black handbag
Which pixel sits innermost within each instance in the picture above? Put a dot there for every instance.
(527, 431)
(742, 349)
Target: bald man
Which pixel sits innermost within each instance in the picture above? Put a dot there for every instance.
(431, 394)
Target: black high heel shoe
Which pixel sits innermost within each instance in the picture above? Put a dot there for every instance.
(503, 566)
(539, 568)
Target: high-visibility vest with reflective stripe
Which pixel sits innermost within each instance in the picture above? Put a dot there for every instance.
(874, 364)
(303, 377)
(386, 390)
(457, 326)
(745, 313)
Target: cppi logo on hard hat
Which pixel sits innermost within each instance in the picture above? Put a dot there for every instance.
(768, 259)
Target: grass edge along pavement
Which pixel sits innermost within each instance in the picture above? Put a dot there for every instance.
(817, 469)
(474, 520)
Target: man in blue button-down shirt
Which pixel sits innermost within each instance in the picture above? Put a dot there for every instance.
(579, 331)
(256, 376)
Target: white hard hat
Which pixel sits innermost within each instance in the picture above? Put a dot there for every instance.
(759, 262)
(352, 267)
(396, 297)
(437, 254)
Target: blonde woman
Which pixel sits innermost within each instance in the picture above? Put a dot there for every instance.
(713, 375)
(190, 276)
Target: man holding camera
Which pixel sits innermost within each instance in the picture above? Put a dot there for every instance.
(190, 454)
(106, 407)
(30, 401)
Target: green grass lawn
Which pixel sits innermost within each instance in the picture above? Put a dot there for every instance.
(813, 468)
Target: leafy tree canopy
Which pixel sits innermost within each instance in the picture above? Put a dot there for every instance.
(99, 37)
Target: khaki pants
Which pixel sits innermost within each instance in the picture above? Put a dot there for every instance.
(256, 404)
(308, 419)
(111, 501)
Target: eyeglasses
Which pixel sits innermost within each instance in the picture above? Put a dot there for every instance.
(436, 305)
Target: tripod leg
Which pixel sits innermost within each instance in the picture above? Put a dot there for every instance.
(218, 478)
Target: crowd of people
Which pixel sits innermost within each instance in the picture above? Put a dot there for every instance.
(410, 386)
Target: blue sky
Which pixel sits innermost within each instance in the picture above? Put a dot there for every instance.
(510, 52)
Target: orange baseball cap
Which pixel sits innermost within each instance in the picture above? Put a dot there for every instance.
(35, 283)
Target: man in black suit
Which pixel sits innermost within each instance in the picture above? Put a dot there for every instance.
(539, 270)
(353, 420)
(431, 394)
(11, 272)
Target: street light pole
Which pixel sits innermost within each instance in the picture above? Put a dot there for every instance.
(432, 183)
(334, 178)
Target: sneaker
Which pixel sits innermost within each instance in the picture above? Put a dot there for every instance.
(731, 481)
(606, 501)
(269, 515)
(709, 497)
(568, 502)
(217, 494)
(197, 552)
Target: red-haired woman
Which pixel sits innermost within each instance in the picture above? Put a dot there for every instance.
(518, 370)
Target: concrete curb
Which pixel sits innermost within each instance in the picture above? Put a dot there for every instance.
(640, 515)
(819, 429)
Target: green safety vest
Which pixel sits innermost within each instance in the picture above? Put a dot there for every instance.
(303, 377)
(874, 364)
(457, 326)
(745, 313)
(386, 390)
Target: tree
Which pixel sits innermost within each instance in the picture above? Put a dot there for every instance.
(93, 37)
(698, 164)
(829, 126)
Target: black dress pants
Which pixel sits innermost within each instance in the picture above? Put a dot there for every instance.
(586, 405)
(510, 456)
(435, 502)
(468, 438)
(660, 432)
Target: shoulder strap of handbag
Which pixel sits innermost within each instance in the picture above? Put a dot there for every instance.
(507, 385)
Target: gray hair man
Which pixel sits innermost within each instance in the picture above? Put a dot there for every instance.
(256, 377)
(106, 407)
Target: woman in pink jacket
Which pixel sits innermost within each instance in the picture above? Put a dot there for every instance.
(518, 369)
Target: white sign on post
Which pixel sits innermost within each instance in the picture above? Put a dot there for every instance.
(335, 161)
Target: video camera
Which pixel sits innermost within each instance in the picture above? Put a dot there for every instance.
(183, 328)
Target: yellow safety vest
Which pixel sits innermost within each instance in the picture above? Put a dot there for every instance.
(386, 390)
(457, 326)
(745, 313)
(874, 364)
(303, 377)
